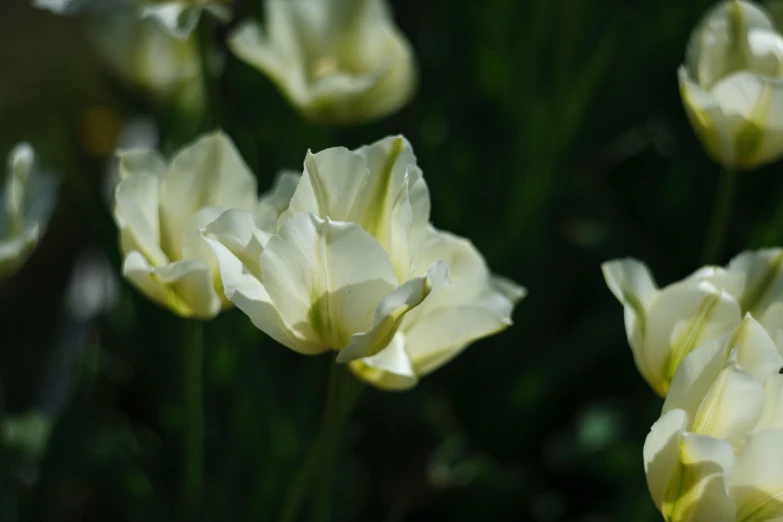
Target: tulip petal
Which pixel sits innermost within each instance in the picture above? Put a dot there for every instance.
(662, 454)
(137, 270)
(208, 173)
(682, 317)
(180, 19)
(772, 414)
(695, 376)
(763, 285)
(136, 214)
(233, 238)
(732, 406)
(699, 492)
(390, 369)
(192, 282)
(632, 284)
(146, 162)
(757, 481)
(14, 251)
(326, 278)
(442, 334)
(391, 312)
(331, 186)
(708, 120)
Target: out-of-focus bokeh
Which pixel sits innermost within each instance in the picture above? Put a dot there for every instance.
(551, 133)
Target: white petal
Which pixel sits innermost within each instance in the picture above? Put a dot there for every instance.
(757, 481)
(701, 492)
(763, 286)
(708, 120)
(146, 162)
(682, 317)
(207, 173)
(138, 271)
(326, 278)
(193, 284)
(732, 406)
(662, 454)
(772, 415)
(632, 284)
(14, 251)
(332, 186)
(233, 238)
(179, 19)
(136, 214)
(696, 375)
(390, 369)
(391, 312)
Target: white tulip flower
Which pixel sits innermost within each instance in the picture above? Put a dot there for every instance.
(26, 203)
(144, 56)
(178, 17)
(716, 453)
(664, 325)
(341, 257)
(159, 210)
(337, 61)
(732, 85)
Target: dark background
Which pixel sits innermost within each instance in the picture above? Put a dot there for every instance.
(550, 132)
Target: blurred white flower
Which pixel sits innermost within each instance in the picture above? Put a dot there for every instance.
(732, 85)
(93, 287)
(160, 208)
(145, 57)
(664, 325)
(337, 61)
(178, 17)
(716, 453)
(343, 258)
(26, 204)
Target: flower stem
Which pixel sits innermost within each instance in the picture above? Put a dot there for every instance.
(341, 397)
(724, 201)
(206, 47)
(193, 482)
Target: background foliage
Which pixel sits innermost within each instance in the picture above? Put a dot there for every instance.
(550, 132)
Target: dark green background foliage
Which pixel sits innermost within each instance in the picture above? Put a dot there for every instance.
(551, 133)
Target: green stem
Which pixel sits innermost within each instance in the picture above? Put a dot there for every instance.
(341, 397)
(211, 88)
(194, 417)
(724, 201)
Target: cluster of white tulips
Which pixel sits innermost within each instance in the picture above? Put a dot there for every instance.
(712, 344)
(341, 256)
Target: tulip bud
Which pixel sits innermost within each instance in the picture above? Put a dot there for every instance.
(343, 258)
(160, 208)
(26, 203)
(732, 85)
(664, 325)
(338, 62)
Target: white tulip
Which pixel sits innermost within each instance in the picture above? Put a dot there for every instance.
(732, 85)
(341, 257)
(159, 210)
(337, 61)
(664, 325)
(143, 55)
(716, 453)
(26, 203)
(178, 17)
